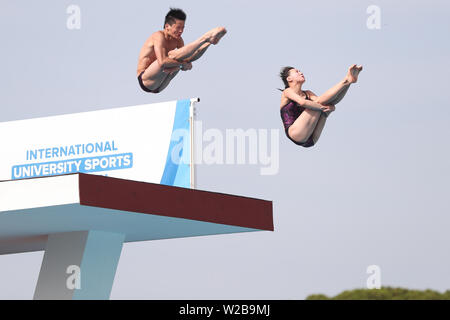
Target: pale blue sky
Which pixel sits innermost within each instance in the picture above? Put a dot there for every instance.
(374, 191)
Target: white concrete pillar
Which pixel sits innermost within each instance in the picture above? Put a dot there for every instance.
(79, 265)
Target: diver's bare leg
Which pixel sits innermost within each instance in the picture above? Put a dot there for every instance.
(198, 53)
(154, 76)
(338, 91)
(213, 36)
(167, 80)
(319, 127)
(304, 125)
(341, 95)
(335, 94)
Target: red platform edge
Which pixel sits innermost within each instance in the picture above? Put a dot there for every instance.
(157, 199)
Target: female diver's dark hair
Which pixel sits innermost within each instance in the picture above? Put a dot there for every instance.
(284, 73)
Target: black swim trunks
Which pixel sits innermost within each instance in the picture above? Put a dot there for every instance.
(144, 87)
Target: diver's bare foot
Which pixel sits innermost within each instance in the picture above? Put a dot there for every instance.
(353, 72)
(215, 35)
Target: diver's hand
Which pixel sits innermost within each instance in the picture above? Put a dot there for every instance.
(186, 66)
(330, 108)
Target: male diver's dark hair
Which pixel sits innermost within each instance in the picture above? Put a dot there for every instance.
(173, 14)
(284, 73)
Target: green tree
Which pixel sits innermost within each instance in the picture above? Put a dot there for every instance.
(385, 293)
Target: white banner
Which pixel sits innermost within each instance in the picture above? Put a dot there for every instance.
(149, 143)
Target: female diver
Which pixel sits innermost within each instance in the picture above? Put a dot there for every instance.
(303, 113)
